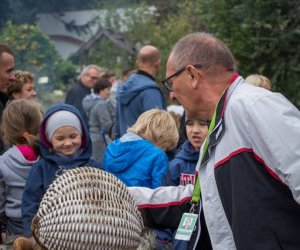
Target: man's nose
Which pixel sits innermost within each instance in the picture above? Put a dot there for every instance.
(172, 97)
(12, 76)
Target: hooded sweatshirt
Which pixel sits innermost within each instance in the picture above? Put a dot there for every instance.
(135, 161)
(182, 168)
(137, 95)
(13, 175)
(101, 115)
(181, 171)
(51, 165)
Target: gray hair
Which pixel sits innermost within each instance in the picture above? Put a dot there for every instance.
(86, 70)
(202, 48)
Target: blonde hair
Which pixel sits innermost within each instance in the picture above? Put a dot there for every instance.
(258, 80)
(20, 123)
(157, 126)
(15, 86)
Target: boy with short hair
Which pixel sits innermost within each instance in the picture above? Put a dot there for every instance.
(65, 144)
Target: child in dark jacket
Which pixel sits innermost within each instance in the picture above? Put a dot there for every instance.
(65, 144)
(181, 171)
(20, 126)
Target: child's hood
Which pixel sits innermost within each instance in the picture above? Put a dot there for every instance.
(187, 152)
(89, 102)
(119, 156)
(45, 145)
(13, 160)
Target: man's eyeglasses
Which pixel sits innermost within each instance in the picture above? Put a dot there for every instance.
(93, 77)
(168, 84)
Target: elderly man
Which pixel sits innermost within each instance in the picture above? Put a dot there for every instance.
(87, 79)
(249, 167)
(139, 93)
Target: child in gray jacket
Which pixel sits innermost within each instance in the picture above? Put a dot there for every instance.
(20, 127)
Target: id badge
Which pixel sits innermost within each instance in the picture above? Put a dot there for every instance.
(186, 226)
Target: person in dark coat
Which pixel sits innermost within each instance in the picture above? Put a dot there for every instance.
(6, 74)
(86, 82)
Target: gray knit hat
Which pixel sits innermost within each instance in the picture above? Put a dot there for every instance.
(60, 119)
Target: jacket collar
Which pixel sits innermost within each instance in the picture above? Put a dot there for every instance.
(219, 128)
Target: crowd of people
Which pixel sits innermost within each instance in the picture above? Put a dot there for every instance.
(228, 161)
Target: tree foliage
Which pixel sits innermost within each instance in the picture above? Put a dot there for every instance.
(161, 28)
(263, 35)
(35, 52)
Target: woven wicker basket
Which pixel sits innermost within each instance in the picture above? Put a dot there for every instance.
(87, 208)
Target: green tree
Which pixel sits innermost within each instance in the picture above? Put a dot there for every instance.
(161, 27)
(263, 35)
(35, 52)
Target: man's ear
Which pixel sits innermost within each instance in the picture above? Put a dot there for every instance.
(194, 75)
(157, 64)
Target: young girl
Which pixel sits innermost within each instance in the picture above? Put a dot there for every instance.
(65, 144)
(20, 125)
(182, 171)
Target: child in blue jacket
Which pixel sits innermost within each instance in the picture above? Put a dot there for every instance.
(181, 171)
(138, 157)
(65, 144)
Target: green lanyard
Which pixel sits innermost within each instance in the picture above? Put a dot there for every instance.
(197, 189)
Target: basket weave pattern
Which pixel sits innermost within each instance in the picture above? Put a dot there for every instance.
(87, 208)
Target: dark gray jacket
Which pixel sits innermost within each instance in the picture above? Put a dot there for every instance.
(101, 115)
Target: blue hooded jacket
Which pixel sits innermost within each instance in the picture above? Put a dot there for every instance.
(51, 165)
(181, 171)
(137, 95)
(135, 161)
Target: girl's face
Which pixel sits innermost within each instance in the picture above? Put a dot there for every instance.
(105, 93)
(196, 131)
(66, 140)
(27, 92)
